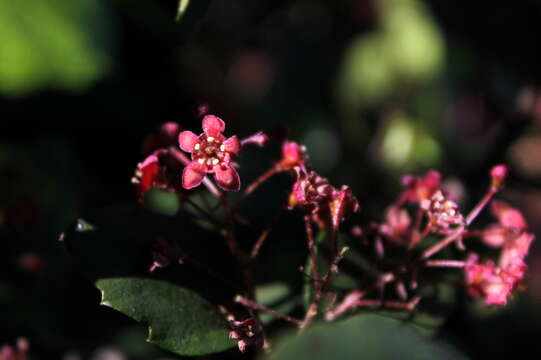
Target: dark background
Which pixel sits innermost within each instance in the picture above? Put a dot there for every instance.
(374, 89)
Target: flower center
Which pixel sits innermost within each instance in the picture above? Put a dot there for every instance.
(209, 151)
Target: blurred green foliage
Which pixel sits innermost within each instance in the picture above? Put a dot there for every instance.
(52, 44)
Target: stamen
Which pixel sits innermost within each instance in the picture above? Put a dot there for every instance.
(197, 146)
(201, 161)
(222, 147)
(215, 162)
(210, 139)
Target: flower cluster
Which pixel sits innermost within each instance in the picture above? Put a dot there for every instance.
(19, 352)
(495, 282)
(402, 249)
(327, 205)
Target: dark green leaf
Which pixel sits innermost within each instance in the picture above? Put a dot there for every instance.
(361, 337)
(162, 202)
(178, 319)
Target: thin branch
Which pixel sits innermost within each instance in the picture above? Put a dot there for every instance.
(445, 263)
(250, 304)
(265, 233)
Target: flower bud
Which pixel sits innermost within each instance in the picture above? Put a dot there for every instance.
(498, 173)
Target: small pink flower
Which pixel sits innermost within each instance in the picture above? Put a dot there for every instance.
(292, 155)
(419, 189)
(328, 205)
(149, 174)
(211, 154)
(260, 139)
(19, 352)
(310, 189)
(397, 223)
(487, 281)
(342, 203)
(442, 212)
(507, 216)
(513, 254)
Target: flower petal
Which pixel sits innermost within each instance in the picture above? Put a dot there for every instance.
(193, 174)
(213, 125)
(187, 140)
(227, 178)
(232, 145)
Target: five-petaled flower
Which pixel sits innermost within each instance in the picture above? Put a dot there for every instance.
(211, 154)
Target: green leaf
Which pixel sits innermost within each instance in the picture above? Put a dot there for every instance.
(53, 43)
(182, 7)
(115, 251)
(178, 319)
(276, 296)
(361, 337)
(162, 202)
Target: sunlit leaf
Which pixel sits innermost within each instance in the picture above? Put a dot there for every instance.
(182, 7)
(53, 43)
(178, 319)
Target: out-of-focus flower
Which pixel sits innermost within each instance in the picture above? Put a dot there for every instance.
(510, 224)
(341, 204)
(149, 174)
(419, 189)
(496, 283)
(246, 332)
(397, 223)
(260, 139)
(211, 154)
(487, 281)
(19, 352)
(32, 262)
(442, 212)
(507, 216)
(293, 155)
(166, 136)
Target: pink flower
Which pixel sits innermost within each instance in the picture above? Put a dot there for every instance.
(149, 174)
(292, 155)
(310, 189)
(342, 203)
(260, 139)
(211, 154)
(496, 283)
(513, 254)
(487, 281)
(15, 353)
(507, 216)
(397, 223)
(328, 205)
(442, 212)
(419, 189)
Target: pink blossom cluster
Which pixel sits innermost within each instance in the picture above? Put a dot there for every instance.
(495, 282)
(424, 220)
(327, 205)
(19, 352)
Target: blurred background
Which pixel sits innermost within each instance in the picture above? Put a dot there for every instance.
(373, 88)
